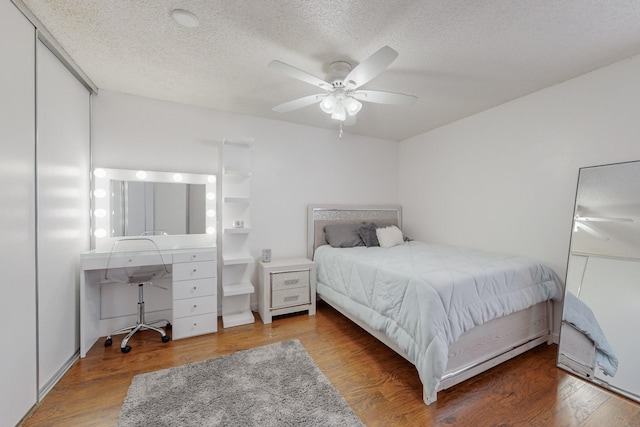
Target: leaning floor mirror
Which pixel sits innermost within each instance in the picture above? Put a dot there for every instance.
(598, 337)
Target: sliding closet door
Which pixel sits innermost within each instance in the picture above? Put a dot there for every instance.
(63, 121)
(18, 371)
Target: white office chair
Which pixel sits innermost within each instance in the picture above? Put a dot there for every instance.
(136, 261)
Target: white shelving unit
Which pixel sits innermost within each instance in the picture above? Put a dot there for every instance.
(236, 259)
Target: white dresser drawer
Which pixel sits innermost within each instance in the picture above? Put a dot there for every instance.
(195, 288)
(194, 256)
(289, 279)
(194, 306)
(290, 297)
(195, 325)
(193, 270)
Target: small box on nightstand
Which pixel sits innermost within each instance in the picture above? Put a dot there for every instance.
(286, 285)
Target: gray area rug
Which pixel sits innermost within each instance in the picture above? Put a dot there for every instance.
(274, 385)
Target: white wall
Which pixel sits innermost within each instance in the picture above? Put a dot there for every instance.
(293, 165)
(505, 179)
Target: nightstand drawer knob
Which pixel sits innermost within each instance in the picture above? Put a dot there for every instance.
(291, 298)
(291, 281)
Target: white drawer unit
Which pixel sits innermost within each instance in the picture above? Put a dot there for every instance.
(195, 296)
(286, 286)
(191, 326)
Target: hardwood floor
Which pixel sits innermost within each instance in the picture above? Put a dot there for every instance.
(381, 387)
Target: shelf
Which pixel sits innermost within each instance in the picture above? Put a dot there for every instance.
(237, 172)
(233, 289)
(243, 230)
(237, 319)
(243, 200)
(239, 142)
(237, 260)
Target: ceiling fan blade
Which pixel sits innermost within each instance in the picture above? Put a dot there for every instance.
(590, 231)
(602, 219)
(380, 97)
(298, 74)
(298, 103)
(370, 67)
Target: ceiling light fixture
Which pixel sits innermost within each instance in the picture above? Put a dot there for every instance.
(339, 103)
(185, 18)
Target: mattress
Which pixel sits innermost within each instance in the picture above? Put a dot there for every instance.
(424, 296)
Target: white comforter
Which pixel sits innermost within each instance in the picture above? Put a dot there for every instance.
(424, 296)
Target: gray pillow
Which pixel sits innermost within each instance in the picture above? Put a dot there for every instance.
(367, 233)
(343, 235)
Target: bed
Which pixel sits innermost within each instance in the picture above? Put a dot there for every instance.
(584, 347)
(404, 295)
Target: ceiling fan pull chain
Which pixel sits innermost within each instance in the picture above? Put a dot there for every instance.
(341, 133)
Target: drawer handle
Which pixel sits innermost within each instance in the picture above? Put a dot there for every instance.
(195, 324)
(194, 256)
(291, 298)
(195, 306)
(194, 270)
(195, 287)
(291, 281)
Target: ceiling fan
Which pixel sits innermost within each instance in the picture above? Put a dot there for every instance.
(342, 93)
(579, 224)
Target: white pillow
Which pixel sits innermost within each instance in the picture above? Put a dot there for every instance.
(389, 236)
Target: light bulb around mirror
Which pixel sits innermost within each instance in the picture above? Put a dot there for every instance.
(100, 232)
(141, 174)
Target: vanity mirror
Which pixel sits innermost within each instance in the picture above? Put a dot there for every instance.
(134, 203)
(598, 339)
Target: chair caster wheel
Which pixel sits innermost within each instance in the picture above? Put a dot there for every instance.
(165, 338)
(108, 342)
(168, 327)
(126, 349)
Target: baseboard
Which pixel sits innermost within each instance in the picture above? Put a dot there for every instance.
(53, 381)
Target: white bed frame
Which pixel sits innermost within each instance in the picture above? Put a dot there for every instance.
(478, 349)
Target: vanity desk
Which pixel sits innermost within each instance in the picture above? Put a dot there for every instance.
(189, 301)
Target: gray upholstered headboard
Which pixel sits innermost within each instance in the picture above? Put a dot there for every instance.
(320, 215)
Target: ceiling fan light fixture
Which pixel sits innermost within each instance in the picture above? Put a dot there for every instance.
(339, 113)
(328, 104)
(352, 106)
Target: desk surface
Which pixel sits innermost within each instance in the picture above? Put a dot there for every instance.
(97, 259)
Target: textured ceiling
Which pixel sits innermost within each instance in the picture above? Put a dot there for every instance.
(458, 56)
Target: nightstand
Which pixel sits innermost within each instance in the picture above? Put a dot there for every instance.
(286, 285)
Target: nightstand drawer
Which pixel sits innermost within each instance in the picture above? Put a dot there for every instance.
(290, 297)
(194, 288)
(194, 306)
(289, 280)
(193, 270)
(194, 325)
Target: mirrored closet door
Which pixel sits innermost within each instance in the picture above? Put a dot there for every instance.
(598, 338)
